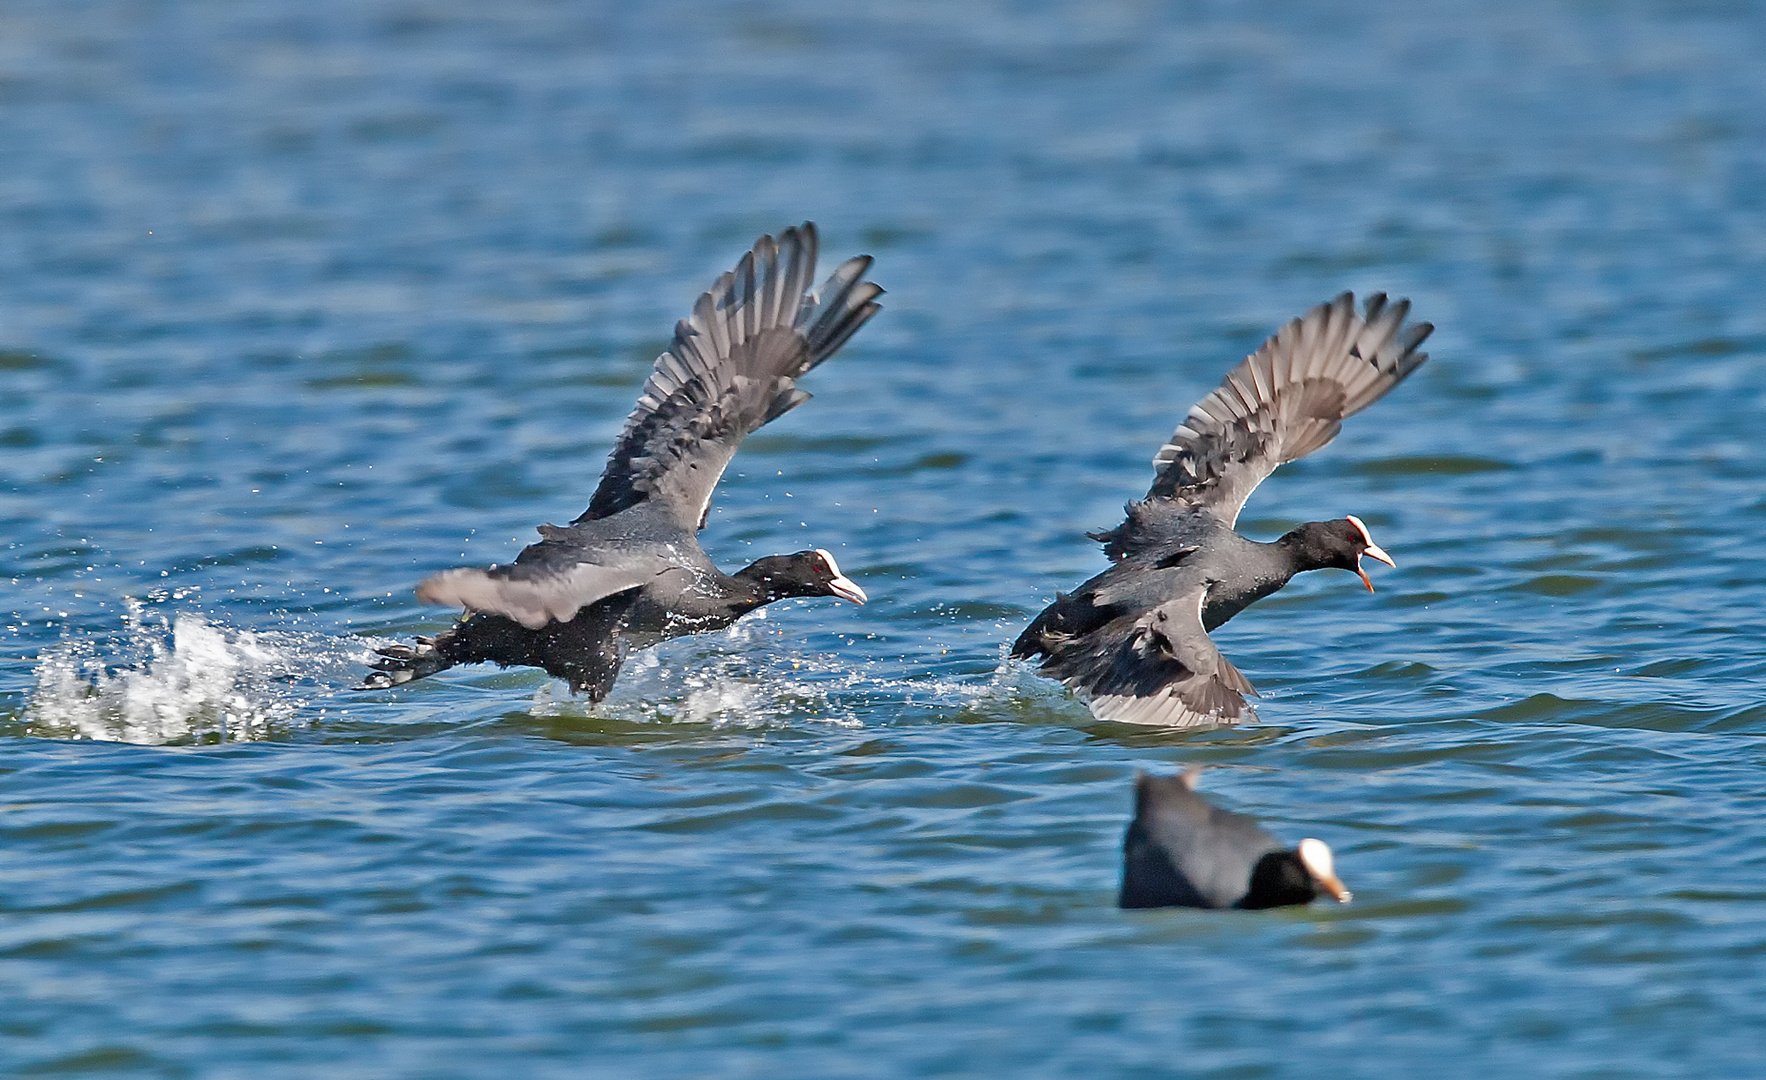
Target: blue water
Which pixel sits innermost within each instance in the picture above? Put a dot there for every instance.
(300, 302)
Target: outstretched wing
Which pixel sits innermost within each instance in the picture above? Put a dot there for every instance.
(1286, 400)
(1158, 667)
(732, 368)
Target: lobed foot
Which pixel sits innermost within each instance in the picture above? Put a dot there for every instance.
(399, 664)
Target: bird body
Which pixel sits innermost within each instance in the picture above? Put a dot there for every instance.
(1183, 851)
(629, 571)
(1134, 639)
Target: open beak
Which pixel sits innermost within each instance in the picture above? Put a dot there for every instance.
(1373, 552)
(847, 589)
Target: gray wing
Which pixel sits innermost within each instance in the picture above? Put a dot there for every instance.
(549, 581)
(1168, 673)
(1286, 400)
(732, 368)
(1158, 668)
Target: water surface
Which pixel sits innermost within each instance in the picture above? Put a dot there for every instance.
(301, 302)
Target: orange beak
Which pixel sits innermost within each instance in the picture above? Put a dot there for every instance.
(1373, 551)
(1332, 885)
(1315, 855)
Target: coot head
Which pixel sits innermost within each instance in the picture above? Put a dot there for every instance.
(803, 573)
(1282, 878)
(1339, 544)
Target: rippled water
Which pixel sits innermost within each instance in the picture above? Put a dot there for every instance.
(299, 302)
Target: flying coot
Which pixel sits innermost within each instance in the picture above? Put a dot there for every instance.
(1182, 851)
(1134, 639)
(629, 572)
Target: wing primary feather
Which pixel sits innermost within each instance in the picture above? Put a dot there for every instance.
(762, 272)
(730, 370)
(794, 291)
(1286, 400)
(842, 307)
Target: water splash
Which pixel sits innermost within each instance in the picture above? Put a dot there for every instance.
(746, 677)
(756, 675)
(181, 679)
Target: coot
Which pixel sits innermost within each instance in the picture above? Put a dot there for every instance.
(629, 571)
(1134, 638)
(1182, 851)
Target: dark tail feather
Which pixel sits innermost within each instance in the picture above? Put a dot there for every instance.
(400, 664)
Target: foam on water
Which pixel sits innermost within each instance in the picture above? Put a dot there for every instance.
(182, 678)
(746, 677)
(755, 675)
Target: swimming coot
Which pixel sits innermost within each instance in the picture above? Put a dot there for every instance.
(1134, 638)
(1182, 851)
(629, 572)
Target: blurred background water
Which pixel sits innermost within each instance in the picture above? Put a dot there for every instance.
(302, 301)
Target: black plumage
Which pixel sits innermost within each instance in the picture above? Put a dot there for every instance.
(1134, 639)
(629, 571)
(1182, 851)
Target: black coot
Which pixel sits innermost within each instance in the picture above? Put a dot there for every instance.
(629, 571)
(1182, 851)
(1134, 639)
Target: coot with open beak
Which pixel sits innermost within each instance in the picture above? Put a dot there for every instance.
(1134, 639)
